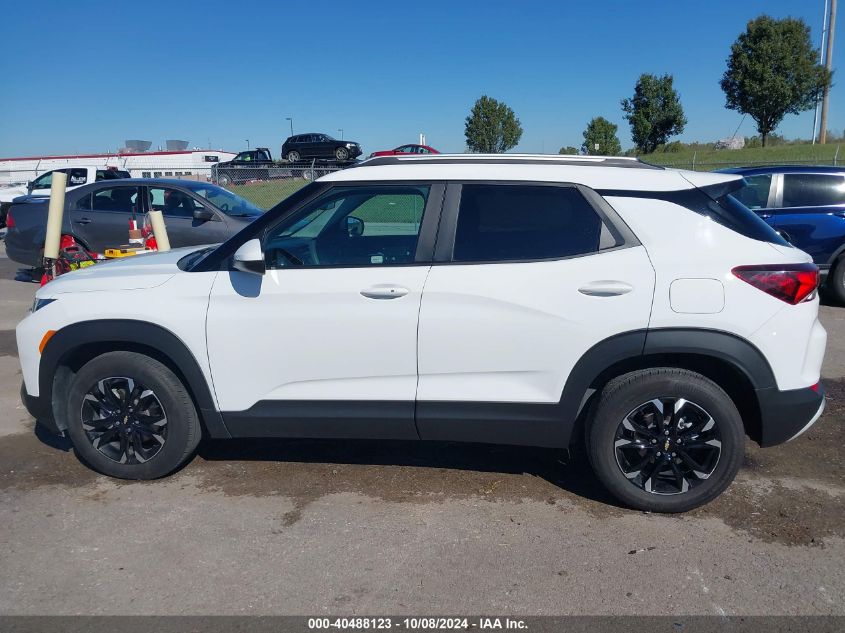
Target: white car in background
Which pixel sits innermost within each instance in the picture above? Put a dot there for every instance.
(76, 177)
(533, 300)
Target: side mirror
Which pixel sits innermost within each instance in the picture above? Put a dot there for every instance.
(203, 215)
(354, 226)
(29, 187)
(249, 258)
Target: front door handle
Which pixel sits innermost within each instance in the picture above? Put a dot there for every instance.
(384, 291)
(83, 221)
(605, 288)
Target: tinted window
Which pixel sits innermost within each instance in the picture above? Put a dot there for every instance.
(727, 211)
(350, 226)
(813, 190)
(76, 177)
(755, 192)
(117, 200)
(112, 174)
(524, 222)
(84, 203)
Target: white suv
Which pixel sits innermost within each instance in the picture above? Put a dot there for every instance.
(508, 299)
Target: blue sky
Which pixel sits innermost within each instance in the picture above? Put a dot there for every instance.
(226, 71)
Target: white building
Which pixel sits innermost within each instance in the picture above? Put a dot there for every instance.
(139, 165)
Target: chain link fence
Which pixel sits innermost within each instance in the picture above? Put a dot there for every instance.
(265, 186)
(710, 165)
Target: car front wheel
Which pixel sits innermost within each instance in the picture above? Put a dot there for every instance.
(129, 416)
(341, 153)
(665, 439)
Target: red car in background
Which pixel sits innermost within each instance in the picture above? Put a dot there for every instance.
(406, 149)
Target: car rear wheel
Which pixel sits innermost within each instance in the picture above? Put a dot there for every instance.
(129, 416)
(341, 153)
(293, 156)
(835, 283)
(224, 180)
(665, 439)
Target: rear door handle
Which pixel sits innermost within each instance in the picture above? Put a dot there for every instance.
(83, 221)
(605, 288)
(384, 291)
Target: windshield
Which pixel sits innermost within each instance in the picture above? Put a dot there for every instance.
(226, 201)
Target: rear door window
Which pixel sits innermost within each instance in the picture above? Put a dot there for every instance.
(524, 222)
(813, 190)
(116, 200)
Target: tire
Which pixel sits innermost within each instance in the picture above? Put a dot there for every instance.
(341, 154)
(624, 439)
(835, 283)
(148, 440)
(293, 156)
(224, 180)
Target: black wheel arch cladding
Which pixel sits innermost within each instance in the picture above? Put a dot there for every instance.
(131, 335)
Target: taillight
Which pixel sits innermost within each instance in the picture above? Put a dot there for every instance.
(792, 283)
(10, 221)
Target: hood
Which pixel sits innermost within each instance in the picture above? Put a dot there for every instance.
(130, 273)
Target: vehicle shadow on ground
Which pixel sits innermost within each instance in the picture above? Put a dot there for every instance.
(408, 460)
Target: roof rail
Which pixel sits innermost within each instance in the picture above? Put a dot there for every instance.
(511, 159)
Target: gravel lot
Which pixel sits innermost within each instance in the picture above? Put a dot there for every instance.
(308, 527)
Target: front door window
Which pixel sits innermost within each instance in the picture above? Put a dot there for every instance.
(351, 226)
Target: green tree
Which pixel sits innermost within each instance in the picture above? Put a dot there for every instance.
(773, 71)
(491, 127)
(654, 112)
(600, 138)
(568, 150)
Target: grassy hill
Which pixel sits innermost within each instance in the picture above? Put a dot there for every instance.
(706, 159)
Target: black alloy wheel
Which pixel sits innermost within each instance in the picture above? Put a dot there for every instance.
(124, 420)
(668, 446)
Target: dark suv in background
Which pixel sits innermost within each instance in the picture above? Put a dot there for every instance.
(319, 146)
(806, 205)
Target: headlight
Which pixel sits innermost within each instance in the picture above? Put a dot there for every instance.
(350, 145)
(37, 304)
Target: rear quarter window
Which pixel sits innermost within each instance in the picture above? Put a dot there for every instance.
(728, 211)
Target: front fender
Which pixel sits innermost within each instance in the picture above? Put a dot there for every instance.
(104, 335)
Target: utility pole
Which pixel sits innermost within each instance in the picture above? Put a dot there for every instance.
(287, 118)
(821, 61)
(828, 62)
(340, 129)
